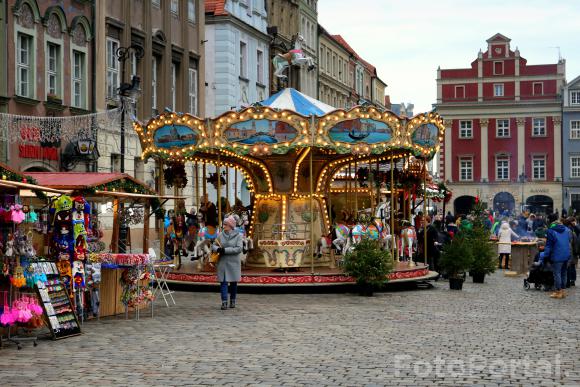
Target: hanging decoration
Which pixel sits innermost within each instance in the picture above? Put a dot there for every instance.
(175, 175)
(17, 128)
(213, 179)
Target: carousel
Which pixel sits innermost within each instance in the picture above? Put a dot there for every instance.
(319, 180)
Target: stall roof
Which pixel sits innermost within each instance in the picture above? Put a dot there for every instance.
(81, 180)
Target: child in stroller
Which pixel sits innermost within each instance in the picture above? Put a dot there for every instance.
(540, 275)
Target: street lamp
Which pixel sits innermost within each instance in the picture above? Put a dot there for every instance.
(522, 178)
(128, 92)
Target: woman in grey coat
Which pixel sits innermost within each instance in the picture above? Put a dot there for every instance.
(229, 267)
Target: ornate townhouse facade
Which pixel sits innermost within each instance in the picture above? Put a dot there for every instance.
(571, 144)
(504, 136)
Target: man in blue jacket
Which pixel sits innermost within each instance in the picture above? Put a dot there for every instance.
(558, 252)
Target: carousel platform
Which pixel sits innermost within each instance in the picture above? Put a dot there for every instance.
(265, 277)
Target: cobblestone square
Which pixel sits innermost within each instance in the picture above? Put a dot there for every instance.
(486, 335)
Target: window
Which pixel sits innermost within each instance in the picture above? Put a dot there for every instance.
(575, 166)
(173, 86)
(112, 68)
(154, 84)
(260, 67)
(575, 97)
(175, 7)
(156, 3)
(243, 59)
(328, 61)
(503, 128)
(502, 168)
(24, 84)
(78, 79)
(139, 166)
(497, 68)
(115, 162)
(460, 92)
(191, 10)
(575, 130)
(465, 129)
(465, 169)
(538, 88)
(53, 70)
(539, 167)
(498, 90)
(193, 91)
(539, 129)
(133, 63)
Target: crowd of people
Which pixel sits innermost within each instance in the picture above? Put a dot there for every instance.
(557, 237)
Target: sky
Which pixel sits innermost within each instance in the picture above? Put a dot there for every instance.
(406, 40)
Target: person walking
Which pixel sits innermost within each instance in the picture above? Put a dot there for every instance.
(229, 244)
(571, 275)
(558, 251)
(504, 249)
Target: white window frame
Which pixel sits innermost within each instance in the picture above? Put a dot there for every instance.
(496, 92)
(78, 78)
(536, 128)
(173, 86)
(574, 129)
(502, 67)
(191, 11)
(502, 172)
(504, 131)
(53, 69)
(534, 88)
(575, 169)
(539, 168)
(574, 97)
(260, 66)
(174, 6)
(467, 168)
(113, 79)
(243, 59)
(25, 66)
(459, 87)
(154, 83)
(465, 132)
(192, 89)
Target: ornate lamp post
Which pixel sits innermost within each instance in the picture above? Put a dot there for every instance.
(522, 179)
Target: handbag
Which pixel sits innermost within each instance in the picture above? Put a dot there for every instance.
(214, 257)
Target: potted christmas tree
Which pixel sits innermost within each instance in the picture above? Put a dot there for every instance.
(456, 260)
(484, 256)
(369, 265)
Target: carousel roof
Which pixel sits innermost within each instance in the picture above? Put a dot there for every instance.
(292, 99)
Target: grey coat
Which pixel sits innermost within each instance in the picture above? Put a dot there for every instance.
(229, 267)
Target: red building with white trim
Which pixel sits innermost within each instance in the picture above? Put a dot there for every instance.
(503, 141)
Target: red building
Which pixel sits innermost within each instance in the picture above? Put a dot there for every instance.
(503, 138)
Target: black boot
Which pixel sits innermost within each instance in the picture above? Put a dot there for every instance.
(224, 305)
(232, 303)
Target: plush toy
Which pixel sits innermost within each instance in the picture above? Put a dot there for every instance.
(17, 215)
(9, 246)
(65, 271)
(78, 274)
(80, 248)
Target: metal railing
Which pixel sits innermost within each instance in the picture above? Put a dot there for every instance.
(279, 231)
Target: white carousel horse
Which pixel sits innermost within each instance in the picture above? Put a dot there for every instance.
(381, 231)
(294, 57)
(341, 231)
(408, 242)
(205, 237)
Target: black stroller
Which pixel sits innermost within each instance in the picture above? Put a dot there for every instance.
(541, 276)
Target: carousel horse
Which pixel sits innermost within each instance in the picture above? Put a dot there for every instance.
(205, 237)
(335, 239)
(294, 57)
(241, 223)
(407, 242)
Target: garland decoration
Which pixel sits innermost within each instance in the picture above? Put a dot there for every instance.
(175, 175)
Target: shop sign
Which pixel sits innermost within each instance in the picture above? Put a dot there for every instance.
(28, 151)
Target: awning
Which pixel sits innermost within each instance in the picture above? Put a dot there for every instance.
(292, 99)
(32, 187)
(86, 180)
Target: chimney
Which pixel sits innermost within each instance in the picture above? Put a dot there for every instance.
(388, 102)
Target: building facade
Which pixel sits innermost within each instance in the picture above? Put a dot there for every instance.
(571, 144)
(236, 39)
(503, 138)
(335, 85)
(46, 71)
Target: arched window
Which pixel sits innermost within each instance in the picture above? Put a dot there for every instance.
(27, 18)
(55, 22)
(80, 35)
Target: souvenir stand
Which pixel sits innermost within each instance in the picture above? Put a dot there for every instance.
(116, 277)
(292, 150)
(30, 284)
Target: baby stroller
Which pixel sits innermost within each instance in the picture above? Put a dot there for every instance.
(540, 276)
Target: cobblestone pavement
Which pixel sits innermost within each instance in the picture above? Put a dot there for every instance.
(486, 335)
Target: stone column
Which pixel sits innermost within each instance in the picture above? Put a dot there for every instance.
(447, 153)
(557, 147)
(521, 122)
(484, 149)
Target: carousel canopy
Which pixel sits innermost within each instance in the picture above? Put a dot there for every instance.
(292, 99)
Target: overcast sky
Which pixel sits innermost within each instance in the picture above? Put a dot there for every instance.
(407, 39)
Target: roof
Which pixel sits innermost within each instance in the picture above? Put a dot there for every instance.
(4, 167)
(498, 38)
(80, 180)
(292, 99)
(340, 40)
(215, 7)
